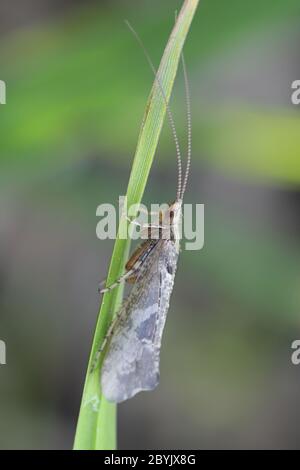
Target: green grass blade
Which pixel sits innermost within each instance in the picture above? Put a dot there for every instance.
(96, 427)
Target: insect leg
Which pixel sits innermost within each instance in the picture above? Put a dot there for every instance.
(144, 226)
(106, 338)
(132, 265)
(101, 283)
(133, 222)
(120, 280)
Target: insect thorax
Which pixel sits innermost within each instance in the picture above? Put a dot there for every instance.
(171, 222)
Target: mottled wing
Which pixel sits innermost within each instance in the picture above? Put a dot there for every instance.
(132, 360)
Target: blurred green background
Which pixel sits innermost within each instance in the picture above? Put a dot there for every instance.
(77, 85)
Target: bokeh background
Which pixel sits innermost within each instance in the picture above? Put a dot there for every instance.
(77, 85)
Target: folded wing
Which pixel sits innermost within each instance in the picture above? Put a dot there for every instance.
(132, 360)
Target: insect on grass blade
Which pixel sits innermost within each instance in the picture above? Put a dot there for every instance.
(132, 345)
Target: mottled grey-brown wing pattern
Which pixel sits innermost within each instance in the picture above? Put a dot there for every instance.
(132, 360)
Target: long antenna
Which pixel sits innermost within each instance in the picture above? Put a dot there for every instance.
(170, 116)
(189, 125)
